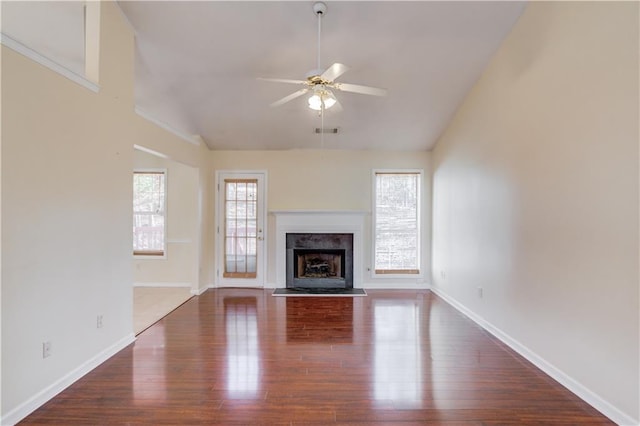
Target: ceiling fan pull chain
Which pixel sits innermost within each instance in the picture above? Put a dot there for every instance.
(322, 126)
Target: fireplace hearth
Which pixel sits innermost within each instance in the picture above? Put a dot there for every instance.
(319, 260)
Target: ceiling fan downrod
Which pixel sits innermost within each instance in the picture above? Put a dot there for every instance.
(320, 9)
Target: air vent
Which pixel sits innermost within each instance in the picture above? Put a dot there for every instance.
(332, 130)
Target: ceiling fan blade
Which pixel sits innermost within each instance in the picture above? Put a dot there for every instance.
(363, 90)
(334, 71)
(283, 80)
(289, 97)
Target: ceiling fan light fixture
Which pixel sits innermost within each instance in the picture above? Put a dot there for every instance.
(315, 102)
(321, 99)
(329, 100)
(318, 82)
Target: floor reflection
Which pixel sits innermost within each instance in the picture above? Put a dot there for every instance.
(328, 319)
(397, 354)
(149, 365)
(396, 357)
(241, 327)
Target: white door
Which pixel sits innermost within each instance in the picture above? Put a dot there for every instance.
(240, 232)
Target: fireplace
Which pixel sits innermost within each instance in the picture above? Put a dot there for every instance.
(319, 260)
(340, 222)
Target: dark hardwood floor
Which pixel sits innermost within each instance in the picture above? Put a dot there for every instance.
(242, 356)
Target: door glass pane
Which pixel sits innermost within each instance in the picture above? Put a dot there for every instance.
(242, 192)
(251, 210)
(251, 248)
(231, 191)
(240, 228)
(231, 228)
(251, 228)
(251, 263)
(241, 209)
(231, 209)
(230, 264)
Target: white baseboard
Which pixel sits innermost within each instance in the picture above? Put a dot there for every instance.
(39, 399)
(162, 285)
(199, 291)
(558, 375)
(397, 285)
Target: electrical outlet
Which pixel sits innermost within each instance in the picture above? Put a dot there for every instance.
(443, 275)
(480, 292)
(99, 321)
(46, 349)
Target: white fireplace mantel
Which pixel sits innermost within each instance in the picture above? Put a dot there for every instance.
(319, 221)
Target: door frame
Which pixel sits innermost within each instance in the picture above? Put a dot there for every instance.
(261, 266)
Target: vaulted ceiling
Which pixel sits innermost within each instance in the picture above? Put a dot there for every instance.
(197, 65)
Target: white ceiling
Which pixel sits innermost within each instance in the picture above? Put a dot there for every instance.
(197, 65)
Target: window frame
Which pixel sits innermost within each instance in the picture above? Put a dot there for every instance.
(406, 273)
(142, 254)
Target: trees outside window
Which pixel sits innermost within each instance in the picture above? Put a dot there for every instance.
(149, 207)
(397, 222)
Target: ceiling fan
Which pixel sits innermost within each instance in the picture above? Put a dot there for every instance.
(321, 83)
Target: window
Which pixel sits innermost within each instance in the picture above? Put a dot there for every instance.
(149, 195)
(397, 222)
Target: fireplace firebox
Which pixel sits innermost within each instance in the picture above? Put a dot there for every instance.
(311, 263)
(317, 260)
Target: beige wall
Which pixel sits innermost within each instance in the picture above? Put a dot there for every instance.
(67, 159)
(180, 266)
(148, 136)
(536, 198)
(330, 180)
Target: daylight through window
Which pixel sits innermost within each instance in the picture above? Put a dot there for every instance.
(397, 222)
(241, 228)
(149, 213)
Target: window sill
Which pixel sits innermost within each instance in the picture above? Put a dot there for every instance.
(149, 257)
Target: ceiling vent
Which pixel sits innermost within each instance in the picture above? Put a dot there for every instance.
(333, 130)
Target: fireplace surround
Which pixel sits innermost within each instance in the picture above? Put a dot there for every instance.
(317, 221)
